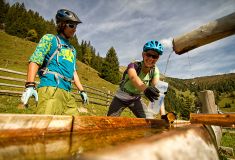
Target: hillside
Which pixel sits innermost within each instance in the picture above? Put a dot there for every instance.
(212, 79)
(14, 55)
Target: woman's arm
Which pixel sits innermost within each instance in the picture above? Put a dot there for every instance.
(136, 80)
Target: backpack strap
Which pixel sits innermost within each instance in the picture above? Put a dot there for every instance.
(45, 70)
(138, 68)
(151, 73)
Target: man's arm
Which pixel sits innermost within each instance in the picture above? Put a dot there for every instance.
(32, 71)
(80, 88)
(30, 89)
(77, 81)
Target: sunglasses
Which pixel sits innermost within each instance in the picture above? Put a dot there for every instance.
(71, 25)
(152, 56)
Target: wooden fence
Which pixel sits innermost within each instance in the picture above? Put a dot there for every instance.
(12, 83)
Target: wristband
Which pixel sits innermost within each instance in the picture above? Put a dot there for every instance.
(30, 84)
(81, 91)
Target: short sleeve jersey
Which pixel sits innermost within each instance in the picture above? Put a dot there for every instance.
(64, 64)
(144, 77)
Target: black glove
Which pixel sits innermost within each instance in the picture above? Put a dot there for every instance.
(152, 93)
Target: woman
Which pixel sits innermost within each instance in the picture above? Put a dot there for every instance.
(140, 77)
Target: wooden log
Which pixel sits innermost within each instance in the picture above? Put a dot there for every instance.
(205, 34)
(95, 123)
(224, 120)
(16, 125)
(193, 142)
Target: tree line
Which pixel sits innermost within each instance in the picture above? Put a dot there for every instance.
(183, 105)
(16, 20)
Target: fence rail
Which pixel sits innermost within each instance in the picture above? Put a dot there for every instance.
(96, 96)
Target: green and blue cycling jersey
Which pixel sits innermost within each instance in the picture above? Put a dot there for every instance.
(64, 64)
(145, 78)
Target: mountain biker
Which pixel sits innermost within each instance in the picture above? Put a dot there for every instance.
(54, 59)
(139, 77)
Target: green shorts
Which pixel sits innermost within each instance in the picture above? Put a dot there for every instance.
(56, 101)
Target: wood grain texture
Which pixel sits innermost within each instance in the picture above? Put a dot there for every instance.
(225, 120)
(15, 125)
(205, 34)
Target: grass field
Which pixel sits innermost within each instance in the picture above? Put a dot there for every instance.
(228, 140)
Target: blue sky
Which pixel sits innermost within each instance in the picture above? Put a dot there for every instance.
(128, 24)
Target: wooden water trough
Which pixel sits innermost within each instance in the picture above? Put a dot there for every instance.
(72, 137)
(180, 141)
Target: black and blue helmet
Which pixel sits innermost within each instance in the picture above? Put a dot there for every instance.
(64, 15)
(153, 45)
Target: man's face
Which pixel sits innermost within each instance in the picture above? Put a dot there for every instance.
(150, 58)
(70, 29)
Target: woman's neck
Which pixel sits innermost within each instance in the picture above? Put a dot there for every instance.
(145, 69)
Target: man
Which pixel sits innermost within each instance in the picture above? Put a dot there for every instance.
(55, 61)
(140, 77)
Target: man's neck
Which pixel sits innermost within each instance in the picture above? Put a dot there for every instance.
(64, 36)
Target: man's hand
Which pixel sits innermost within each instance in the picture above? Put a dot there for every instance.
(29, 91)
(152, 93)
(84, 97)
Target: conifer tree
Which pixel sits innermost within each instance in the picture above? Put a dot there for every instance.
(4, 9)
(32, 35)
(110, 67)
(87, 55)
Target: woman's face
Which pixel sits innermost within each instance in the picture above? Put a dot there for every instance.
(150, 58)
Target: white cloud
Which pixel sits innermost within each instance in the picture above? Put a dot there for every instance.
(127, 25)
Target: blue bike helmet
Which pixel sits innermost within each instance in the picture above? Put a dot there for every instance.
(153, 45)
(64, 15)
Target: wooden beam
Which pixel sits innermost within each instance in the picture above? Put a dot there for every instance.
(205, 34)
(225, 120)
(17, 125)
(99, 123)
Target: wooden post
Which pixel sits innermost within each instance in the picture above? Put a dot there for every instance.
(205, 34)
(208, 106)
(208, 102)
